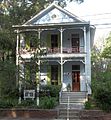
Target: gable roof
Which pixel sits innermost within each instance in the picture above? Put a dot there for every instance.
(53, 14)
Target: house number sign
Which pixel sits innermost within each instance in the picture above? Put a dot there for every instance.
(29, 94)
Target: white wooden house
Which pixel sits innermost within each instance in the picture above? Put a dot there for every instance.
(68, 47)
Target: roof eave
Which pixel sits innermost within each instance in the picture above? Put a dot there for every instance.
(50, 25)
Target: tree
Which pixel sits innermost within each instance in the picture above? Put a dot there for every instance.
(101, 75)
(107, 49)
(14, 12)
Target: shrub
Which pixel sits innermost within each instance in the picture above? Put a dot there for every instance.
(27, 103)
(102, 95)
(88, 105)
(53, 90)
(8, 103)
(47, 102)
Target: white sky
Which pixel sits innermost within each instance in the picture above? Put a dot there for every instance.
(95, 11)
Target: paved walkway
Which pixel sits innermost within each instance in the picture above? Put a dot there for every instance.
(26, 119)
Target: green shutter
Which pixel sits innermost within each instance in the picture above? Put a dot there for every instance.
(27, 43)
(59, 75)
(49, 40)
(49, 75)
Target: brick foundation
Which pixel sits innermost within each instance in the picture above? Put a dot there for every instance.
(28, 113)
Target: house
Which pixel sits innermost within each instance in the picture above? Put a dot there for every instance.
(67, 41)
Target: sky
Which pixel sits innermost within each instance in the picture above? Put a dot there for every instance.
(95, 11)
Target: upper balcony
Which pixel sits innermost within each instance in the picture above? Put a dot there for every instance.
(70, 43)
(53, 52)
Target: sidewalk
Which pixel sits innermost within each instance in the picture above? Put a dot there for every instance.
(27, 119)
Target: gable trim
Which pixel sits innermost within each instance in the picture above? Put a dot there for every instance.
(53, 5)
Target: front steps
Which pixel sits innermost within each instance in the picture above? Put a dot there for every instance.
(73, 100)
(69, 114)
(71, 103)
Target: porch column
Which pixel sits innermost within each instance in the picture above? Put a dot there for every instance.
(85, 50)
(85, 39)
(62, 71)
(61, 31)
(39, 32)
(17, 48)
(18, 82)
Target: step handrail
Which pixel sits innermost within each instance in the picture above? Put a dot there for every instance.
(60, 93)
(68, 108)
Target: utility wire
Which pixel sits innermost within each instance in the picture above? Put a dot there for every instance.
(102, 24)
(96, 14)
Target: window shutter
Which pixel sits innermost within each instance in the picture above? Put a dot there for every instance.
(27, 43)
(48, 40)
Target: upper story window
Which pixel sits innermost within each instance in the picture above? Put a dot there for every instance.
(54, 41)
(75, 42)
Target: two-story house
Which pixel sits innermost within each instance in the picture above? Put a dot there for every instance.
(67, 40)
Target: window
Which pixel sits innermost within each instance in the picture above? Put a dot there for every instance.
(54, 41)
(75, 67)
(54, 74)
(75, 42)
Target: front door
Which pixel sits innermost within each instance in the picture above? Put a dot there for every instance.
(76, 81)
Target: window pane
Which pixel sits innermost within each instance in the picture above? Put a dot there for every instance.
(76, 67)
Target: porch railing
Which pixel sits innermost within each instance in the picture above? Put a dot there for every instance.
(75, 49)
(66, 50)
(54, 50)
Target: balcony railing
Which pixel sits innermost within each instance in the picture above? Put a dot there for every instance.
(54, 50)
(74, 50)
(66, 50)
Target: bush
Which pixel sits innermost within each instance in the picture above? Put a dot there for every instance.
(102, 95)
(103, 98)
(27, 103)
(8, 103)
(53, 90)
(47, 102)
(88, 105)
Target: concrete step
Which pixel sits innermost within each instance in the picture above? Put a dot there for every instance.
(73, 100)
(71, 114)
(74, 93)
(71, 106)
(73, 97)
